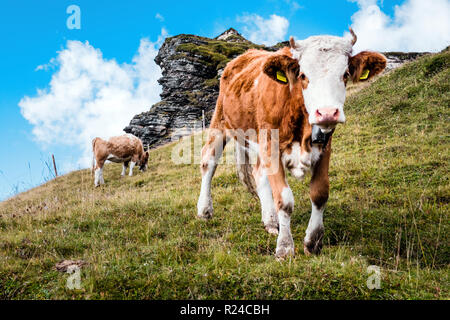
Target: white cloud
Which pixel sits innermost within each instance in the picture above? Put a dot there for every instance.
(159, 17)
(47, 66)
(91, 96)
(416, 26)
(264, 31)
(294, 6)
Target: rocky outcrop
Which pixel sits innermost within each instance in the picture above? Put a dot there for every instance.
(191, 67)
(396, 59)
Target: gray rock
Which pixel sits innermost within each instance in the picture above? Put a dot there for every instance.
(190, 85)
(397, 59)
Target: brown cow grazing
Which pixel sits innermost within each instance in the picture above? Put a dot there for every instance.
(285, 106)
(126, 149)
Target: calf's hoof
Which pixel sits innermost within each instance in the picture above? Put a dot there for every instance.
(270, 221)
(205, 212)
(284, 252)
(285, 248)
(271, 228)
(314, 244)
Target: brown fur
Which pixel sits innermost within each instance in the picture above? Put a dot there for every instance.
(319, 186)
(373, 61)
(280, 107)
(123, 147)
(270, 104)
(251, 97)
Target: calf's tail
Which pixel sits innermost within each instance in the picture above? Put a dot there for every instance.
(93, 154)
(244, 168)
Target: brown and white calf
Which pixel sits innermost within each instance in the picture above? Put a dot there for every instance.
(272, 103)
(126, 149)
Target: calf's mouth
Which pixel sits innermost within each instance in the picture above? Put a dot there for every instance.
(320, 136)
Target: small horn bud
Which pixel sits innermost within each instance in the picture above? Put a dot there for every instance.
(292, 42)
(353, 35)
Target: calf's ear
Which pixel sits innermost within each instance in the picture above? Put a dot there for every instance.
(282, 69)
(366, 65)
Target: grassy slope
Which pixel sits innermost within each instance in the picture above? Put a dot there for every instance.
(389, 206)
(216, 53)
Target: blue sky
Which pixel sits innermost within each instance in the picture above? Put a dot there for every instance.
(35, 32)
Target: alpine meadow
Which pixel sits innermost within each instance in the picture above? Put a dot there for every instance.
(139, 238)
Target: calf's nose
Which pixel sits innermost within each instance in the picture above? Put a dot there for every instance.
(326, 116)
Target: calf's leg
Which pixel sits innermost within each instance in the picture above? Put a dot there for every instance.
(124, 168)
(98, 180)
(284, 204)
(319, 190)
(211, 153)
(132, 164)
(264, 191)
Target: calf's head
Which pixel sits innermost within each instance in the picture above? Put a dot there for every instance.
(323, 64)
(143, 161)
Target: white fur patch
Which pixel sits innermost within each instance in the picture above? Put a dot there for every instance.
(284, 220)
(131, 136)
(204, 200)
(324, 60)
(288, 197)
(316, 220)
(285, 242)
(132, 164)
(315, 154)
(300, 162)
(268, 210)
(98, 176)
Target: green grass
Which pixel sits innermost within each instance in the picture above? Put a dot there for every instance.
(388, 206)
(215, 53)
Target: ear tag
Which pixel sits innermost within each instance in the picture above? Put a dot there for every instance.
(365, 74)
(281, 77)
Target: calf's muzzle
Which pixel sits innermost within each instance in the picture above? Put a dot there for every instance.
(327, 116)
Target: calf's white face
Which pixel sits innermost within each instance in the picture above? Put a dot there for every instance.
(324, 62)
